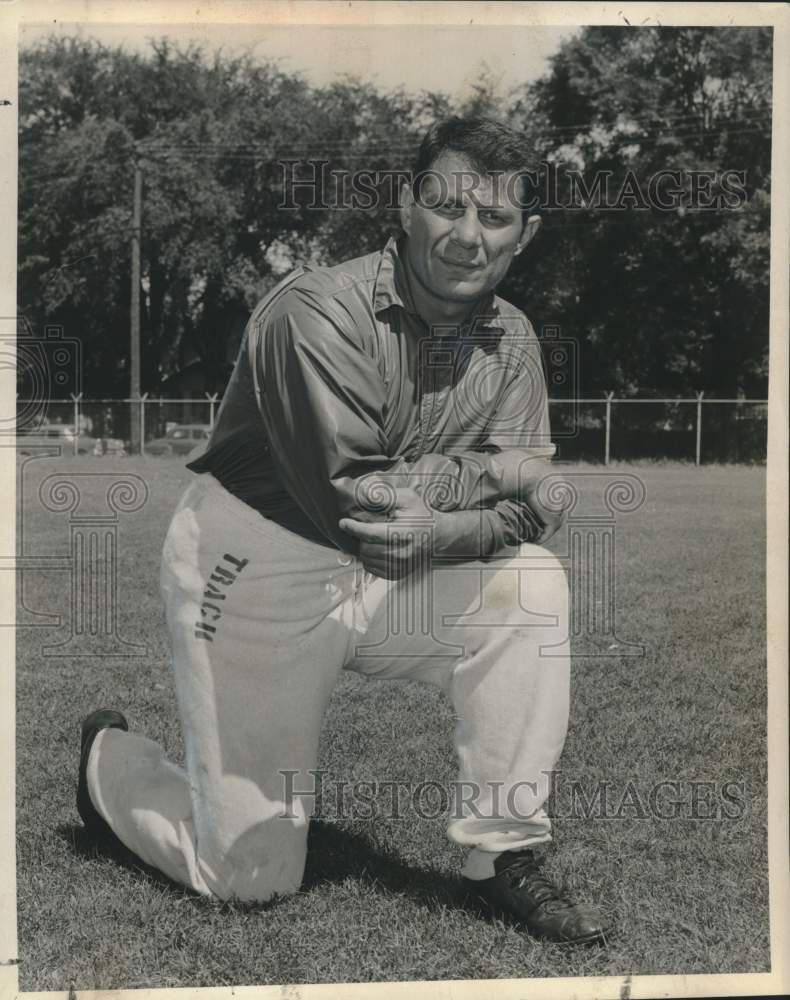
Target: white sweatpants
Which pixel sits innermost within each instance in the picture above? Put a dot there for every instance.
(261, 622)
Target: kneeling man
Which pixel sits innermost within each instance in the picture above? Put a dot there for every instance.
(369, 500)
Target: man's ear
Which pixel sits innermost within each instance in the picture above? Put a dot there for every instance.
(531, 226)
(406, 206)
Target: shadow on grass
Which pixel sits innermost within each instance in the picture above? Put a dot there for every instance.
(89, 845)
(333, 856)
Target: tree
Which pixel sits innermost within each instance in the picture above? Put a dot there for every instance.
(661, 301)
(212, 135)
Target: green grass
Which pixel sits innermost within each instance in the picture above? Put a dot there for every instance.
(381, 898)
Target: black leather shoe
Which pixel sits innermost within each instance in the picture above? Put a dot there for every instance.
(105, 718)
(521, 892)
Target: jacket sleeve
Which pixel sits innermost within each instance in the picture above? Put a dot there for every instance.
(321, 397)
(521, 425)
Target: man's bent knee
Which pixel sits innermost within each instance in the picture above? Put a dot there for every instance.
(251, 872)
(536, 576)
(264, 859)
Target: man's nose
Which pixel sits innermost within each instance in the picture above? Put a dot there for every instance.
(466, 232)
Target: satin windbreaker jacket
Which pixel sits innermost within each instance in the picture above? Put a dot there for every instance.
(338, 378)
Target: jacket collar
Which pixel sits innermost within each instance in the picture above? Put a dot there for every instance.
(391, 288)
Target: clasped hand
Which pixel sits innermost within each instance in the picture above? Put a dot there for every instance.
(394, 540)
(394, 536)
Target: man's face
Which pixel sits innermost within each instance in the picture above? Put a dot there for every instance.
(464, 231)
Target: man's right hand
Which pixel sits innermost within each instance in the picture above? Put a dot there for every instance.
(392, 536)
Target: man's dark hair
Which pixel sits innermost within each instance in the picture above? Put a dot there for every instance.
(489, 145)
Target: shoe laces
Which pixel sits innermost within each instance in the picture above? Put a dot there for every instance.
(524, 873)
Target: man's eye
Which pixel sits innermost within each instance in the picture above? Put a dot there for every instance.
(492, 216)
(449, 209)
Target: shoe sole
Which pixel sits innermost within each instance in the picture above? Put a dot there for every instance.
(487, 910)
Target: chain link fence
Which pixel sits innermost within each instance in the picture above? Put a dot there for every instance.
(592, 430)
(692, 430)
(104, 426)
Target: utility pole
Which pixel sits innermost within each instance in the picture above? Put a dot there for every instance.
(134, 328)
(699, 428)
(609, 396)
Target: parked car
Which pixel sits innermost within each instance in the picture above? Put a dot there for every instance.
(179, 440)
(110, 446)
(61, 435)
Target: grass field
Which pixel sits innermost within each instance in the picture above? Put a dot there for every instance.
(381, 899)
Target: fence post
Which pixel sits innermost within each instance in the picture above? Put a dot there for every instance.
(142, 422)
(212, 401)
(699, 427)
(76, 399)
(609, 396)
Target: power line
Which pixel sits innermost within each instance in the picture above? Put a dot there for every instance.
(255, 151)
(327, 147)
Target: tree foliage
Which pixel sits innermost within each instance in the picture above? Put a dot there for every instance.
(661, 302)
